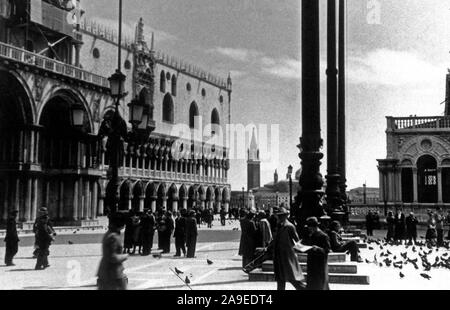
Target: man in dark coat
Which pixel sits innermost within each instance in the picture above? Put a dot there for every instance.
(191, 234)
(285, 260)
(369, 224)
(317, 263)
(411, 228)
(400, 226)
(247, 246)
(110, 272)
(339, 246)
(11, 239)
(43, 239)
(223, 216)
(147, 232)
(273, 221)
(167, 234)
(180, 233)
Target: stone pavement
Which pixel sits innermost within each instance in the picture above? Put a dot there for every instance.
(74, 267)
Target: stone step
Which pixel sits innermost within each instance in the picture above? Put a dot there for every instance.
(332, 258)
(264, 276)
(339, 268)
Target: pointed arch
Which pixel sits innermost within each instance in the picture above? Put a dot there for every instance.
(193, 113)
(162, 82)
(174, 85)
(168, 109)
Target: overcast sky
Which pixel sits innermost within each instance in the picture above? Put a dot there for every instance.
(396, 65)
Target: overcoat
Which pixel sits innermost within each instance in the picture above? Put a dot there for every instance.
(111, 266)
(285, 260)
(247, 246)
(317, 278)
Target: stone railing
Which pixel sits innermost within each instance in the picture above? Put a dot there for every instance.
(32, 59)
(418, 123)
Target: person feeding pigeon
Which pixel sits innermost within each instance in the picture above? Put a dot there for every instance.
(11, 239)
(285, 261)
(339, 246)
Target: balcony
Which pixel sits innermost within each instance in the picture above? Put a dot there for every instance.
(26, 58)
(418, 124)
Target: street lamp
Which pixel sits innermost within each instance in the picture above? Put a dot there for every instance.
(289, 175)
(77, 115)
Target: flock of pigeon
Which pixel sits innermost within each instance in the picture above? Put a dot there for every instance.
(422, 256)
(186, 280)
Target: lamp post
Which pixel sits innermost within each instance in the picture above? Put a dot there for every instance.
(289, 175)
(243, 197)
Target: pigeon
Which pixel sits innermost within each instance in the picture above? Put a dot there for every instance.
(209, 262)
(370, 248)
(414, 249)
(425, 276)
(178, 271)
(367, 261)
(187, 281)
(70, 242)
(401, 275)
(156, 256)
(389, 253)
(74, 231)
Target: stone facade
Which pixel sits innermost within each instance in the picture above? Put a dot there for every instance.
(45, 161)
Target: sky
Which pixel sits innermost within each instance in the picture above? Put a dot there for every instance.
(397, 59)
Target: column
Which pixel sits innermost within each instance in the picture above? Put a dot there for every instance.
(61, 200)
(38, 139)
(341, 99)
(6, 201)
(184, 203)
(75, 200)
(94, 201)
(153, 204)
(174, 206)
(101, 205)
(35, 197)
(32, 146)
(415, 189)
(22, 147)
(202, 206)
(226, 205)
(439, 183)
(17, 199)
(164, 200)
(399, 185)
(28, 200)
(87, 209)
(382, 186)
(141, 203)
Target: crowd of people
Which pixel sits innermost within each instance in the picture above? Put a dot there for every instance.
(403, 229)
(275, 236)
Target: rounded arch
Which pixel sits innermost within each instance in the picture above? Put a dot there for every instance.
(162, 82)
(215, 117)
(168, 109)
(174, 85)
(226, 196)
(18, 106)
(193, 113)
(62, 98)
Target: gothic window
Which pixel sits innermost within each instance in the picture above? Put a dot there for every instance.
(203, 93)
(193, 113)
(162, 85)
(127, 64)
(188, 87)
(96, 53)
(174, 85)
(221, 99)
(215, 122)
(168, 109)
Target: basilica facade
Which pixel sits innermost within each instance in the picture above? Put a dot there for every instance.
(416, 171)
(48, 66)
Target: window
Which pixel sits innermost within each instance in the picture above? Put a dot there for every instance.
(193, 112)
(203, 92)
(168, 76)
(162, 82)
(168, 109)
(188, 87)
(96, 53)
(174, 85)
(221, 99)
(127, 64)
(215, 118)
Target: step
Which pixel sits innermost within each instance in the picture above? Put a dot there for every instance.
(264, 276)
(339, 268)
(332, 258)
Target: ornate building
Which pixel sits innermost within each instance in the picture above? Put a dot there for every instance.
(48, 66)
(416, 172)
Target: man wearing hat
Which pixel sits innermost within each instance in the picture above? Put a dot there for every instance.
(318, 256)
(247, 246)
(11, 239)
(285, 260)
(339, 246)
(147, 231)
(44, 237)
(111, 271)
(411, 228)
(191, 233)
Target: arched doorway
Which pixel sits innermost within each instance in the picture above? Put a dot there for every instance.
(124, 200)
(168, 109)
(218, 199)
(150, 197)
(161, 201)
(137, 195)
(193, 113)
(427, 179)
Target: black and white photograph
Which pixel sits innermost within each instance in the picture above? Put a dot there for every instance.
(245, 146)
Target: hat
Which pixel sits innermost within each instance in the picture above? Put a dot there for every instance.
(43, 211)
(192, 212)
(312, 222)
(282, 211)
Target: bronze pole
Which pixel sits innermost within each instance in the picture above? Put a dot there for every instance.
(341, 102)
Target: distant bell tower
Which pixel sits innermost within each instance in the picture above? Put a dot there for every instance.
(253, 165)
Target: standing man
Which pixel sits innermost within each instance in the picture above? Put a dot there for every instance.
(180, 233)
(400, 226)
(11, 239)
(43, 239)
(191, 234)
(147, 232)
(110, 272)
(439, 219)
(411, 228)
(247, 245)
(369, 224)
(285, 260)
(223, 216)
(265, 234)
(317, 278)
